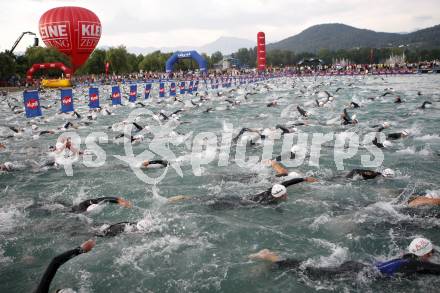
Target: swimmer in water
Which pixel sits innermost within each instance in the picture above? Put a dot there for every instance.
(415, 262)
(252, 130)
(7, 167)
(423, 200)
(425, 105)
(347, 119)
(272, 196)
(280, 170)
(303, 112)
(91, 204)
(354, 105)
(116, 229)
(368, 174)
(154, 163)
(66, 144)
(58, 261)
(382, 126)
(272, 104)
(285, 129)
(399, 135)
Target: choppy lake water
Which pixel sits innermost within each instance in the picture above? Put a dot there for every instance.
(189, 247)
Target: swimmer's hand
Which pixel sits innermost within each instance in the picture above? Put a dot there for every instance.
(422, 200)
(178, 198)
(310, 179)
(265, 254)
(88, 245)
(124, 203)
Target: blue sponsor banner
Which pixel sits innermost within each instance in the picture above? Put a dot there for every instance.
(116, 95)
(182, 87)
(190, 87)
(161, 90)
(31, 102)
(133, 93)
(147, 90)
(66, 100)
(173, 89)
(93, 97)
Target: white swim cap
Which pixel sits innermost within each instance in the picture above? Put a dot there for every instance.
(331, 98)
(92, 207)
(34, 127)
(386, 124)
(387, 144)
(405, 132)
(294, 175)
(321, 104)
(278, 190)
(9, 166)
(353, 117)
(295, 149)
(420, 246)
(388, 172)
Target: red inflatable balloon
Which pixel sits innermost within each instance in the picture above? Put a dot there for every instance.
(74, 31)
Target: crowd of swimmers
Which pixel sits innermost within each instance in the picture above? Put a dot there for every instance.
(420, 250)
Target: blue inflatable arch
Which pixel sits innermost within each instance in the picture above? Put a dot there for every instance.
(186, 55)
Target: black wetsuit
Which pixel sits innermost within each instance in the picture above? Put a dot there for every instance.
(347, 119)
(46, 132)
(54, 265)
(115, 229)
(263, 198)
(266, 197)
(161, 162)
(346, 268)
(409, 264)
(377, 143)
(394, 136)
(284, 129)
(379, 127)
(243, 130)
(366, 174)
(82, 206)
(354, 105)
(423, 106)
(291, 156)
(302, 111)
(68, 124)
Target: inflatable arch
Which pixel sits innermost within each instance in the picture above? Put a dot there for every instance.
(186, 55)
(55, 65)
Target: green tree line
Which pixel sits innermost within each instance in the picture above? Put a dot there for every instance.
(122, 62)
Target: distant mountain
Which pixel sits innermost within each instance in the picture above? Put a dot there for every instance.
(335, 36)
(226, 45)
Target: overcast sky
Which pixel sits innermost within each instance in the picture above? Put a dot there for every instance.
(171, 23)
